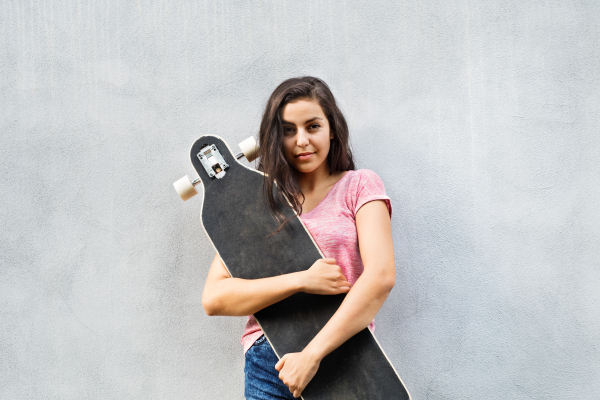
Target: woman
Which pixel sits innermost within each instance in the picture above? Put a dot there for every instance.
(304, 148)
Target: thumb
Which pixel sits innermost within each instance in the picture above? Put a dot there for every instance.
(280, 363)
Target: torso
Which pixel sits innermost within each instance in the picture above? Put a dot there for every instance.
(331, 221)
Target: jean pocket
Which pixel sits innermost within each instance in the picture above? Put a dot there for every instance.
(259, 340)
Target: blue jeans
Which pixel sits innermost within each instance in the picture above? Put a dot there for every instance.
(262, 379)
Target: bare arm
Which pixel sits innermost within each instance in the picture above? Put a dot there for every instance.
(360, 305)
(371, 289)
(224, 295)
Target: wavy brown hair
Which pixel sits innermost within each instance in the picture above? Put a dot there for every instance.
(272, 161)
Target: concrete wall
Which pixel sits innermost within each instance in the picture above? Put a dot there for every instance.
(481, 118)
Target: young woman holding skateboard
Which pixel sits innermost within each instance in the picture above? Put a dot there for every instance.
(304, 148)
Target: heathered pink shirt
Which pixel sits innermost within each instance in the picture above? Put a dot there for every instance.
(332, 225)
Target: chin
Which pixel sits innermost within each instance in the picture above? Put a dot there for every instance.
(305, 169)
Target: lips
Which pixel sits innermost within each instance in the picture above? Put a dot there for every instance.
(304, 156)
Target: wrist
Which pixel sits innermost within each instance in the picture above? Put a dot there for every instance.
(313, 352)
(299, 280)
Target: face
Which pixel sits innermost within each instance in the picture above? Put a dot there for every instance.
(306, 136)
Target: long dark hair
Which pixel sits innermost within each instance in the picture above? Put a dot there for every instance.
(272, 161)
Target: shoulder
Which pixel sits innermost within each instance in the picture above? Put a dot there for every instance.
(365, 178)
(368, 174)
(365, 186)
(361, 183)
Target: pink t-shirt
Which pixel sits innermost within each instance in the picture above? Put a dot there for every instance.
(332, 225)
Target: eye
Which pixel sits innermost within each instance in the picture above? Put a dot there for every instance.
(314, 126)
(288, 130)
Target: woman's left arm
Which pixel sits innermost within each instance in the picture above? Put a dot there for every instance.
(361, 304)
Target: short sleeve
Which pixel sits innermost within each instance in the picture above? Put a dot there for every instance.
(369, 187)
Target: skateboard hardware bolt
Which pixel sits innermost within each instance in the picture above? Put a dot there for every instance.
(212, 161)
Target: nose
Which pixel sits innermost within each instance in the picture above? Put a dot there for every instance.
(302, 138)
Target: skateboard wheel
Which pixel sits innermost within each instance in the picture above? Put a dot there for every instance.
(185, 188)
(249, 149)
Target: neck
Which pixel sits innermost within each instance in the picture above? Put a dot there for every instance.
(313, 180)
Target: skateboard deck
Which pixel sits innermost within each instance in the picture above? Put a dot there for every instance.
(239, 224)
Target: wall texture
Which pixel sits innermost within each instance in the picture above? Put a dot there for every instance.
(481, 118)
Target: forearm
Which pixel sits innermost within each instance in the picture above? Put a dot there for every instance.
(355, 313)
(239, 297)
(224, 295)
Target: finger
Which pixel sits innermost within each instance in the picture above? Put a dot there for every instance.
(344, 282)
(341, 284)
(330, 260)
(342, 277)
(280, 363)
(340, 291)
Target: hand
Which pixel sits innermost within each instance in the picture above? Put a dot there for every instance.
(325, 277)
(296, 370)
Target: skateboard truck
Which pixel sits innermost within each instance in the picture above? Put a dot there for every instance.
(213, 161)
(214, 165)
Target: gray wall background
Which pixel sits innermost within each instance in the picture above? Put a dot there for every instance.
(480, 117)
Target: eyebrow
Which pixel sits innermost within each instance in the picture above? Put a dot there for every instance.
(306, 122)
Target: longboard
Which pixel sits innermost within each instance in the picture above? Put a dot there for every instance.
(240, 226)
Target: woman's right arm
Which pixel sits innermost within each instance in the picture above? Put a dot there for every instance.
(224, 295)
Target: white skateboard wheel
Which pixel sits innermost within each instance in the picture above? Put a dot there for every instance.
(184, 188)
(249, 149)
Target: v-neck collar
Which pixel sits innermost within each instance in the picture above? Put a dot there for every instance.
(328, 193)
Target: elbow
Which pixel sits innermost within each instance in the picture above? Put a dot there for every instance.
(387, 282)
(382, 281)
(387, 285)
(208, 310)
(209, 305)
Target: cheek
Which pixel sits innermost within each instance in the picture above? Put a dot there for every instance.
(287, 149)
(327, 145)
